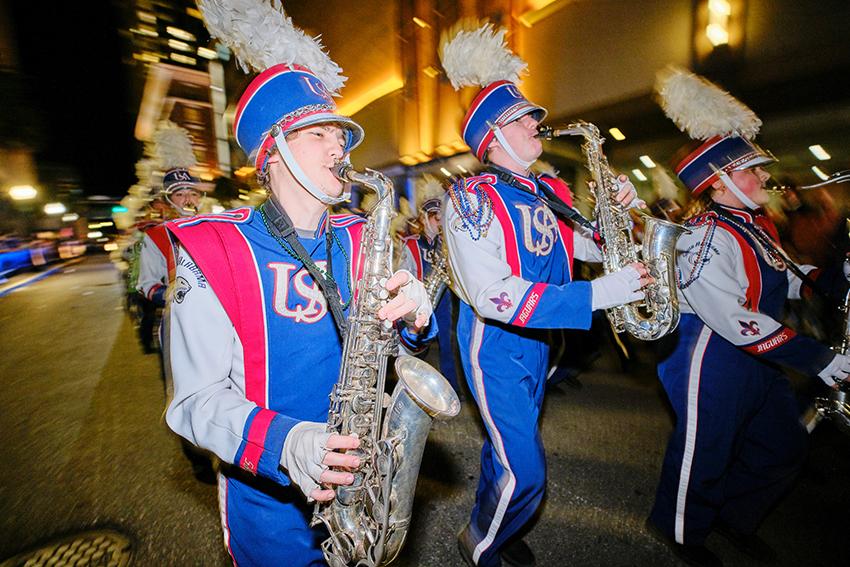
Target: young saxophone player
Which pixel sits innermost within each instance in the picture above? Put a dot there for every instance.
(511, 261)
(737, 442)
(253, 342)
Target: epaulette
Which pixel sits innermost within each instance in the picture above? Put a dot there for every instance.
(474, 180)
(346, 220)
(704, 218)
(233, 216)
(474, 218)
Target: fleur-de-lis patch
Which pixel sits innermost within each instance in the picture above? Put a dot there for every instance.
(502, 302)
(749, 328)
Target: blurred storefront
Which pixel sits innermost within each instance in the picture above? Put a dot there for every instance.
(591, 60)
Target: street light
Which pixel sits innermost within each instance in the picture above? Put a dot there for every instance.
(55, 209)
(23, 192)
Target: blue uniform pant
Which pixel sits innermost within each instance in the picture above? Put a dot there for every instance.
(506, 371)
(737, 444)
(446, 340)
(267, 524)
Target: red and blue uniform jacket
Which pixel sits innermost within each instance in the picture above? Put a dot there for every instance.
(738, 289)
(252, 346)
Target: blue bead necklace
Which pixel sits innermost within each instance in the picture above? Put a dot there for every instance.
(475, 220)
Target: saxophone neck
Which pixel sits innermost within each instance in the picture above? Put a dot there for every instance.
(579, 128)
(375, 180)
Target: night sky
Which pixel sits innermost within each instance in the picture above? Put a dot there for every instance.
(70, 53)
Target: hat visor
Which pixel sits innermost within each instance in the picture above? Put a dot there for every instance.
(539, 113)
(181, 186)
(354, 130)
(761, 158)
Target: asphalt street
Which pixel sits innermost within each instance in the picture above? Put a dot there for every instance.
(83, 445)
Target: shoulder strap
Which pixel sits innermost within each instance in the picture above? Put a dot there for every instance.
(280, 225)
(765, 241)
(552, 200)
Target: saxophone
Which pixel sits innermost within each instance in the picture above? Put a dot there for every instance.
(438, 278)
(368, 520)
(658, 314)
(835, 405)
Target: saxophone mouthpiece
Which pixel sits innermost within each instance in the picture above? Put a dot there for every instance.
(545, 132)
(342, 170)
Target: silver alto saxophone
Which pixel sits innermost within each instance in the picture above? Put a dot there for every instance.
(368, 520)
(835, 405)
(658, 314)
(438, 278)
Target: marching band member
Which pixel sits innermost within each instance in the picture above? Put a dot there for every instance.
(422, 250)
(737, 442)
(177, 197)
(511, 262)
(260, 297)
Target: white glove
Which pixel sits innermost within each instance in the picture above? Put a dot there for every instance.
(615, 289)
(836, 371)
(414, 290)
(303, 451)
(632, 201)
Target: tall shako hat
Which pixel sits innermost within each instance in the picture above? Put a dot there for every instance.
(295, 86)
(173, 150)
(429, 194)
(723, 125)
(477, 55)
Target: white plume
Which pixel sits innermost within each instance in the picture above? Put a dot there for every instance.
(399, 224)
(173, 146)
(664, 184)
(144, 171)
(544, 167)
(262, 35)
(368, 202)
(478, 57)
(428, 187)
(701, 108)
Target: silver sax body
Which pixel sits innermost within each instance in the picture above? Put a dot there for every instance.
(368, 520)
(658, 314)
(438, 278)
(835, 405)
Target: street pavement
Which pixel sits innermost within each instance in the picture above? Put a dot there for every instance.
(83, 446)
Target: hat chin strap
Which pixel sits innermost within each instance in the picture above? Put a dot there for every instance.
(301, 177)
(508, 149)
(183, 212)
(724, 177)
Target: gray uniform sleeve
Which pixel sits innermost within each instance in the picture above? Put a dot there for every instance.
(207, 403)
(482, 278)
(153, 268)
(584, 247)
(406, 261)
(719, 295)
(480, 270)
(795, 283)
